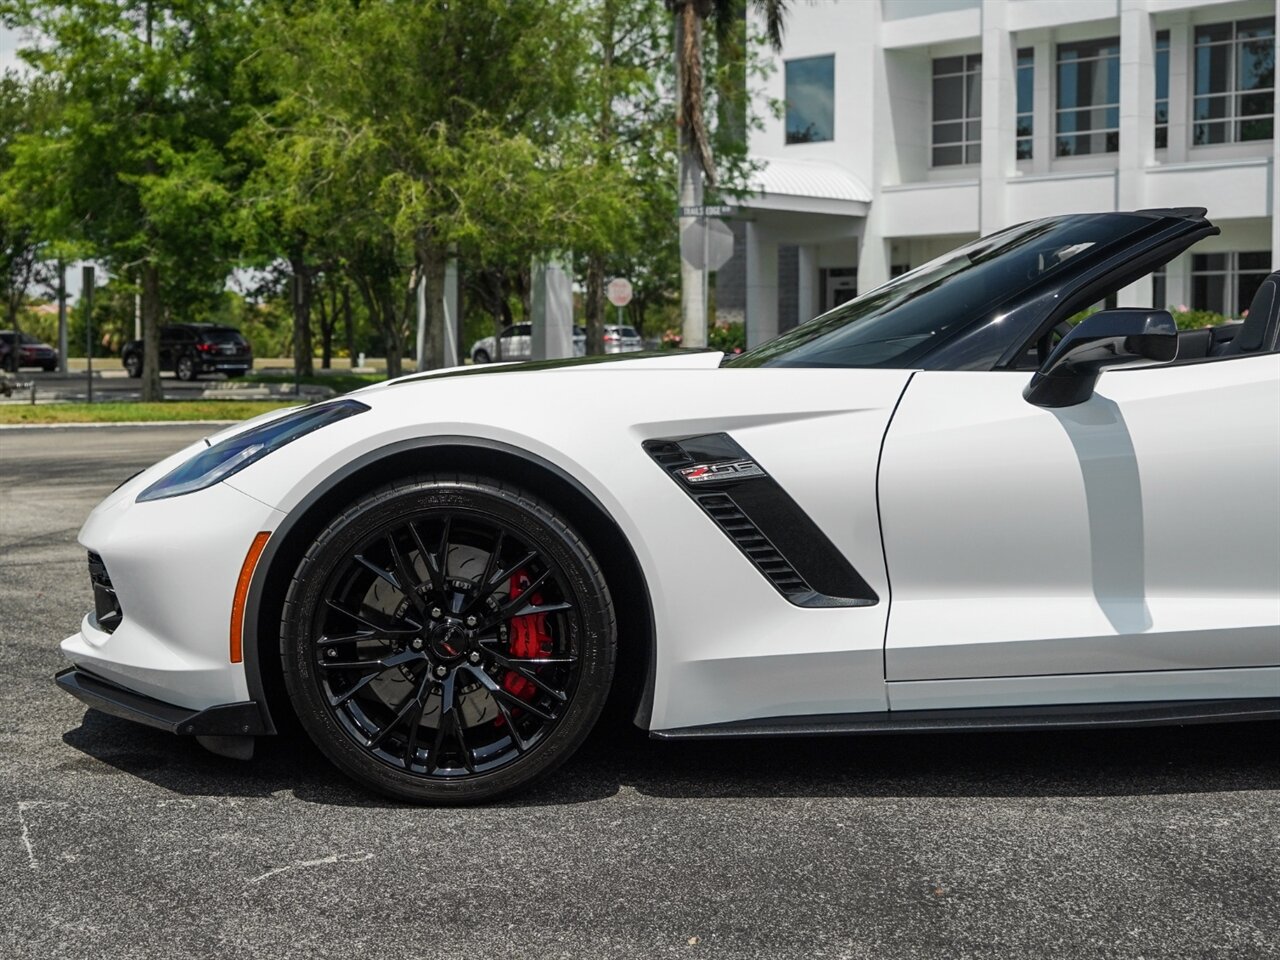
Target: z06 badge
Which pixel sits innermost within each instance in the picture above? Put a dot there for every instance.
(728, 470)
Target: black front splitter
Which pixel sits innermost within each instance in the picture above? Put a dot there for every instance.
(226, 728)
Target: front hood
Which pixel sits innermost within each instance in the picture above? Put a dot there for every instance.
(657, 360)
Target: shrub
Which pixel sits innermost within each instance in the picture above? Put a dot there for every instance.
(727, 337)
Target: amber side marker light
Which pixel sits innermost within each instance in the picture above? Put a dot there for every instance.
(242, 594)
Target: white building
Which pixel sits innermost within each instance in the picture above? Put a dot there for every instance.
(910, 126)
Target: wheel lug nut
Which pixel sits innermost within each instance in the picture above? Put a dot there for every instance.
(471, 621)
(436, 612)
(417, 643)
(474, 658)
(442, 671)
(331, 652)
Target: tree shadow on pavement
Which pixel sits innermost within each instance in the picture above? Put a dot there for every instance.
(1085, 763)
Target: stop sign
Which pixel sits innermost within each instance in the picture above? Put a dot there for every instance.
(619, 291)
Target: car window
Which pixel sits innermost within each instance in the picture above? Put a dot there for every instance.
(224, 336)
(28, 338)
(629, 332)
(906, 318)
(7, 338)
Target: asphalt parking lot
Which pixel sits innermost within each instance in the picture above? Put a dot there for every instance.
(117, 841)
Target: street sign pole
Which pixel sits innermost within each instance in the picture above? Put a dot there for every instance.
(618, 291)
(706, 274)
(86, 304)
(706, 215)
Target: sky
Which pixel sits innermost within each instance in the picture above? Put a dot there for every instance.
(8, 48)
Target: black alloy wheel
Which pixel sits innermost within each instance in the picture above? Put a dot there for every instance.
(448, 639)
(133, 366)
(186, 369)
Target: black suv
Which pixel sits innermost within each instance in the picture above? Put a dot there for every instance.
(190, 349)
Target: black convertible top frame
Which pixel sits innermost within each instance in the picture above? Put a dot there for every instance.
(1015, 326)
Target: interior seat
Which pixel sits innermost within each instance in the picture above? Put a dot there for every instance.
(1260, 332)
(1194, 344)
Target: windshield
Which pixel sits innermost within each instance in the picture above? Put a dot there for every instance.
(223, 336)
(902, 321)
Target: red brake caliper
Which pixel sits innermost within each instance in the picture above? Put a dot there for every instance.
(528, 638)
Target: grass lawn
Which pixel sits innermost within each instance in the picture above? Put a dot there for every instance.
(134, 411)
(341, 382)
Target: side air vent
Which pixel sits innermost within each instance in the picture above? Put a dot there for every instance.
(666, 453)
(762, 520)
(106, 606)
(754, 544)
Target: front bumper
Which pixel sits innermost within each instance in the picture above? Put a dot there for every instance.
(173, 568)
(223, 720)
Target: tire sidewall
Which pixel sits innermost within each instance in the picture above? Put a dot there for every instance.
(591, 633)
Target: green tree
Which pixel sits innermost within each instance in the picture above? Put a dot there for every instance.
(133, 165)
(437, 129)
(628, 117)
(697, 164)
(23, 236)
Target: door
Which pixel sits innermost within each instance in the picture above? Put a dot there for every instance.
(841, 286)
(1136, 533)
(168, 347)
(513, 342)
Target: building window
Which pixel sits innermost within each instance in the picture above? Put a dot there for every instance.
(1162, 89)
(1026, 100)
(811, 94)
(957, 110)
(1226, 282)
(1088, 97)
(1235, 81)
(1160, 288)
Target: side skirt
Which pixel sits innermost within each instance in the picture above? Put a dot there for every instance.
(1059, 717)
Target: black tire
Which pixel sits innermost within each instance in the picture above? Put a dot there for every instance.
(49, 367)
(186, 369)
(11, 363)
(133, 366)
(480, 356)
(510, 717)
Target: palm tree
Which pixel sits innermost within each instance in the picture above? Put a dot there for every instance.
(697, 166)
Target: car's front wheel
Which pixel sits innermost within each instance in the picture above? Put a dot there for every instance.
(480, 356)
(447, 639)
(186, 369)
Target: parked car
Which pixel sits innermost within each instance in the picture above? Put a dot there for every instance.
(950, 503)
(24, 350)
(621, 339)
(516, 343)
(190, 349)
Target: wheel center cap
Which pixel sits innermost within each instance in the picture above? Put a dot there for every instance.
(448, 642)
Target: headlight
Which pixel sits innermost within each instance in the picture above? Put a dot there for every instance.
(235, 453)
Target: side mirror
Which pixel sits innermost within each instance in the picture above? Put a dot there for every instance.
(1109, 338)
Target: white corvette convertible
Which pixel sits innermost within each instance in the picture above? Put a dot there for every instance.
(947, 504)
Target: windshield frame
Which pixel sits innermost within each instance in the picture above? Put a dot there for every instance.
(1012, 305)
